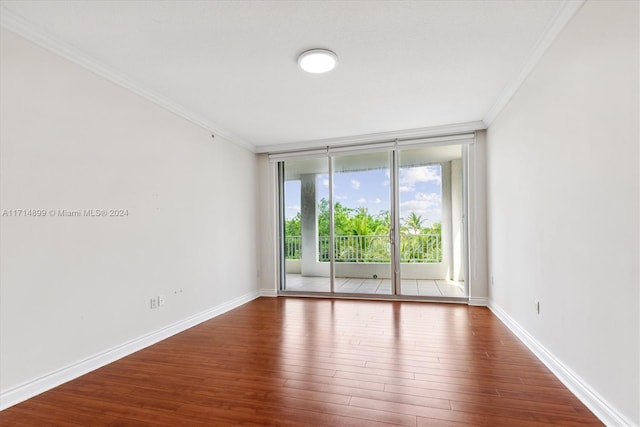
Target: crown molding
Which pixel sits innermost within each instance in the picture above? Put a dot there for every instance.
(452, 129)
(560, 20)
(18, 25)
(24, 28)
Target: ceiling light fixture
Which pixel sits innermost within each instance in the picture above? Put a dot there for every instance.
(317, 61)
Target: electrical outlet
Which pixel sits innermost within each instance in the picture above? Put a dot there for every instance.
(153, 303)
(160, 300)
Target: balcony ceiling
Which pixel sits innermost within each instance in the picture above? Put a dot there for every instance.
(231, 65)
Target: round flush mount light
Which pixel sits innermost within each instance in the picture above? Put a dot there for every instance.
(317, 61)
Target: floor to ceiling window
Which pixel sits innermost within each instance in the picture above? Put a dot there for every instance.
(362, 223)
(387, 221)
(305, 218)
(430, 191)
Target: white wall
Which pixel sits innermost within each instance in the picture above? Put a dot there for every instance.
(267, 226)
(74, 287)
(564, 206)
(477, 183)
(457, 262)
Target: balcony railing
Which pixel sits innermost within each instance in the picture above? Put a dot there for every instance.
(293, 247)
(414, 248)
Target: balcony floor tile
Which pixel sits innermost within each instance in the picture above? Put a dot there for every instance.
(409, 287)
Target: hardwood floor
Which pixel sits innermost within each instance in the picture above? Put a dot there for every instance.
(308, 362)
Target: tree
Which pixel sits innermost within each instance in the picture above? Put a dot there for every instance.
(360, 223)
(414, 223)
(292, 226)
(369, 241)
(382, 223)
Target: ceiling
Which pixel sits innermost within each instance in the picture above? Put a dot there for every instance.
(404, 66)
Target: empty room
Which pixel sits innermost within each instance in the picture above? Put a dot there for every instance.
(319, 213)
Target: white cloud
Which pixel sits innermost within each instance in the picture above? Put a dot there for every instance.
(325, 182)
(410, 176)
(338, 197)
(432, 198)
(355, 184)
(406, 189)
(427, 205)
(375, 201)
(386, 182)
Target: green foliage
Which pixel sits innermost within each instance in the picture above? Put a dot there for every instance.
(292, 226)
(413, 224)
(370, 242)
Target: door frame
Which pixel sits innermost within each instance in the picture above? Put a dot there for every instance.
(465, 141)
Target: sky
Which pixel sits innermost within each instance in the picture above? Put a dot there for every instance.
(420, 191)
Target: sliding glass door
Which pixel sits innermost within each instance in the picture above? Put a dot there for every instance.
(430, 192)
(388, 222)
(304, 215)
(362, 223)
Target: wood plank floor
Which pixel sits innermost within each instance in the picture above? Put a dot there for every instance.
(316, 362)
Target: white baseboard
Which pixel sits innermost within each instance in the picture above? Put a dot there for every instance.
(46, 382)
(573, 382)
(268, 293)
(479, 301)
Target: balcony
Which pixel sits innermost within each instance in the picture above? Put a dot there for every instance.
(362, 266)
(355, 285)
(414, 248)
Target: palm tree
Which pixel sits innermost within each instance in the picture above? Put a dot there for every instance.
(414, 223)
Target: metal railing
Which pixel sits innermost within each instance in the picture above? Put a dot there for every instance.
(293, 247)
(414, 248)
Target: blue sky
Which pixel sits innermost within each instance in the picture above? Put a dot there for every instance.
(420, 191)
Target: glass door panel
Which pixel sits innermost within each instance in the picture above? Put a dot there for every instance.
(361, 222)
(430, 191)
(304, 270)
